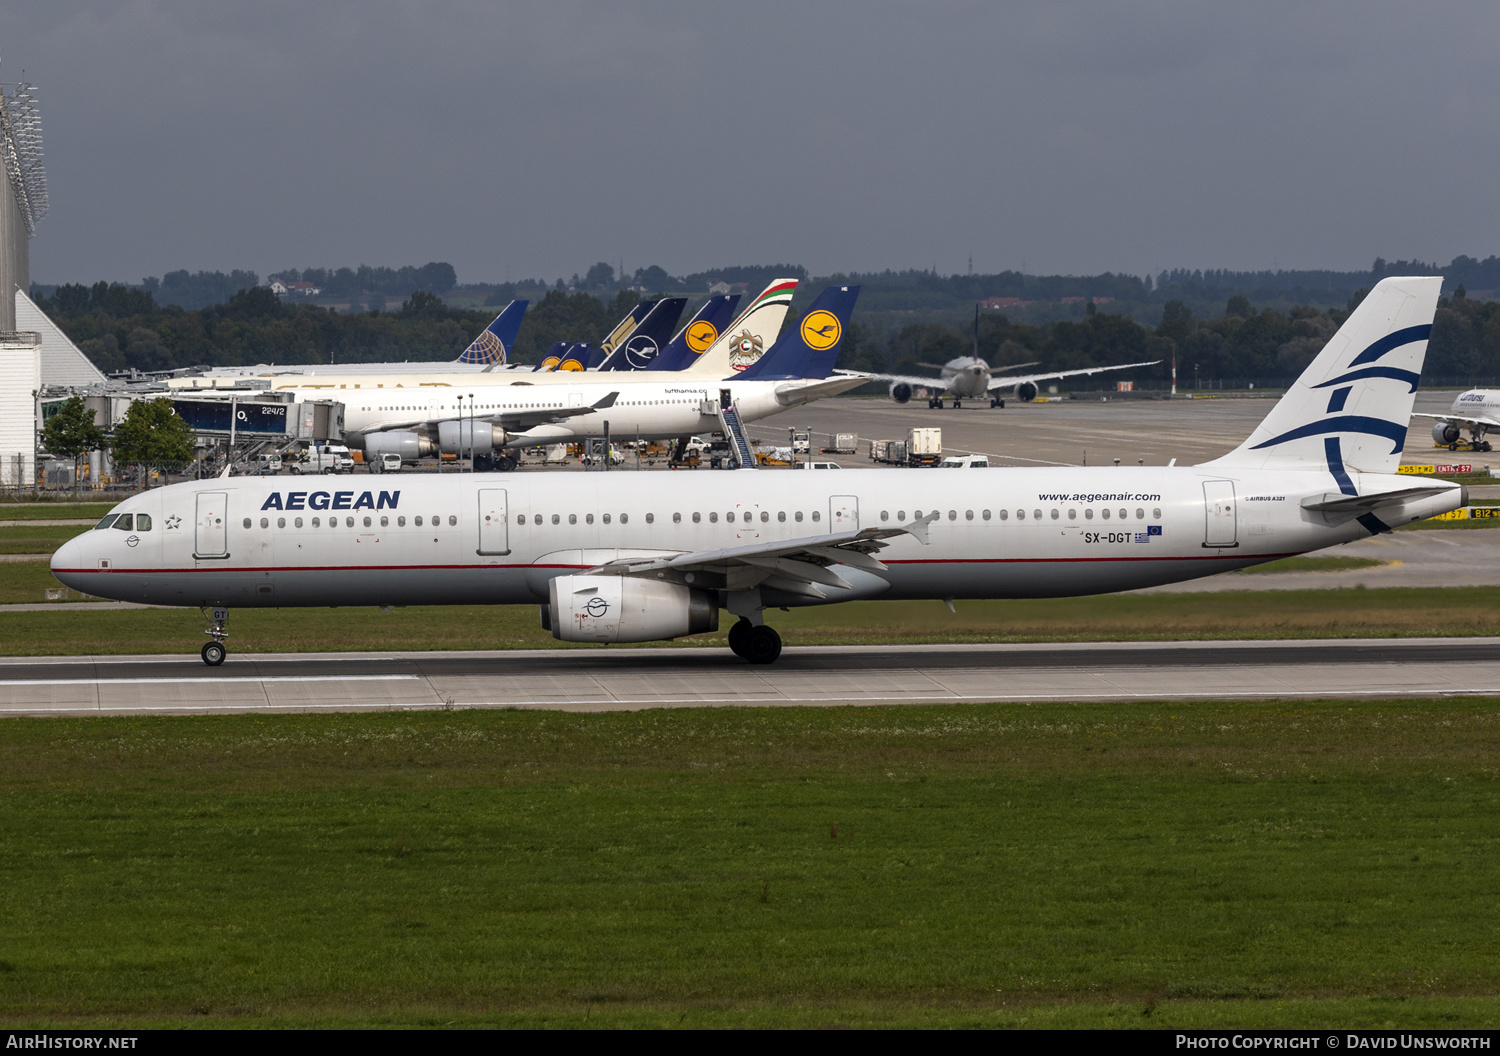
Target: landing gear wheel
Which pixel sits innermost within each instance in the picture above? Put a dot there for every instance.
(997, 403)
(1484, 446)
(214, 653)
(507, 461)
(762, 646)
(737, 635)
(1453, 446)
(956, 405)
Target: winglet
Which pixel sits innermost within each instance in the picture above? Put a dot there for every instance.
(227, 467)
(918, 527)
(607, 402)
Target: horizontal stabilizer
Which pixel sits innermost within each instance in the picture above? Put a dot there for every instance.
(1335, 503)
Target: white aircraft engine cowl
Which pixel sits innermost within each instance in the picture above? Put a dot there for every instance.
(409, 445)
(460, 437)
(622, 609)
(1445, 433)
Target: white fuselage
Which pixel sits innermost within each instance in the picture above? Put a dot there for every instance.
(1478, 403)
(967, 377)
(671, 407)
(500, 538)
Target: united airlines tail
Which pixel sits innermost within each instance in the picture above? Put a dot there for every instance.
(809, 349)
(702, 330)
(1350, 408)
(492, 346)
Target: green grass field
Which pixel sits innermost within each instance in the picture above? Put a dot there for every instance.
(37, 539)
(1338, 613)
(54, 511)
(1160, 865)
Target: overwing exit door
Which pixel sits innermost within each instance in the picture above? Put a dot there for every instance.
(494, 522)
(843, 513)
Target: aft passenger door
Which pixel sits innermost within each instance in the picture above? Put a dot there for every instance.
(843, 513)
(494, 522)
(211, 529)
(1221, 524)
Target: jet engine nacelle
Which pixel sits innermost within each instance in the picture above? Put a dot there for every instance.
(410, 446)
(1026, 392)
(622, 609)
(1445, 433)
(900, 392)
(465, 436)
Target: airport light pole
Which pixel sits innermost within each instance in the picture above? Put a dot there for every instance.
(471, 432)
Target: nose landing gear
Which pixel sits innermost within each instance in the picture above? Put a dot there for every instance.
(214, 652)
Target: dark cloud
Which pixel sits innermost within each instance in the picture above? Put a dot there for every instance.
(535, 139)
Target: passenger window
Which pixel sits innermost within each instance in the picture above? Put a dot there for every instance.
(1037, 514)
(650, 518)
(797, 516)
(713, 518)
(764, 516)
(317, 522)
(281, 522)
(1156, 514)
(1004, 515)
(265, 522)
(624, 518)
(247, 523)
(817, 516)
(333, 522)
(439, 520)
(1088, 514)
(676, 518)
(885, 515)
(900, 515)
(781, 516)
(1055, 514)
(297, 522)
(588, 518)
(143, 522)
(986, 514)
(520, 519)
(697, 517)
(572, 518)
(1104, 513)
(556, 519)
(1020, 515)
(385, 522)
(349, 522)
(606, 518)
(1124, 514)
(1140, 515)
(952, 515)
(452, 520)
(968, 515)
(126, 522)
(729, 516)
(107, 520)
(400, 522)
(367, 522)
(416, 522)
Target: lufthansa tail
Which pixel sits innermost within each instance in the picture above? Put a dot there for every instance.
(809, 349)
(492, 346)
(1350, 408)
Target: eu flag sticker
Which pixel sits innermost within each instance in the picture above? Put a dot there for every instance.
(1153, 529)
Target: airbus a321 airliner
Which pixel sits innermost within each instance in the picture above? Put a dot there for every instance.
(637, 557)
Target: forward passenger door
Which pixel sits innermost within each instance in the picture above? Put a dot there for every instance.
(494, 522)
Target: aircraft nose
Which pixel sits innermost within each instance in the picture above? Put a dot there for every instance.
(68, 562)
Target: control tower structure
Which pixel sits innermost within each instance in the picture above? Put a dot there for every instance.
(23, 193)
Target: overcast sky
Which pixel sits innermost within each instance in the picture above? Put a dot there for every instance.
(515, 140)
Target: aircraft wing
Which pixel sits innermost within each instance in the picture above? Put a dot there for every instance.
(798, 566)
(907, 379)
(1022, 379)
(522, 420)
(1489, 423)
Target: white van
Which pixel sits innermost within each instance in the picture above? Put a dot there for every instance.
(965, 462)
(816, 465)
(390, 462)
(330, 458)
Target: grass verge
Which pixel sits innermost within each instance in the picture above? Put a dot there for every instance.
(37, 539)
(1150, 864)
(1351, 613)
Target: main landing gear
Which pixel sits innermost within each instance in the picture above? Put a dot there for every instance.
(758, 645)
(214, 652)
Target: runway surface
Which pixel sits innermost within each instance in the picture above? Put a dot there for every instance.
(623, 679)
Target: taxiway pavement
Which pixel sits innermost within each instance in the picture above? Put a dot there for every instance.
(623, 679)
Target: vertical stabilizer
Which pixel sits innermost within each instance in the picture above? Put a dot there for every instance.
(809, 349)
(1350, 408)
(492, 346)
(746, 339)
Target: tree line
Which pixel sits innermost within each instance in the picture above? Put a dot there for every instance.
(121, 328)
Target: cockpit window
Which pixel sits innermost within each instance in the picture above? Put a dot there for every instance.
(108, 520)
(126, 522)
(143, 522)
